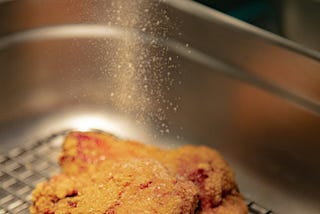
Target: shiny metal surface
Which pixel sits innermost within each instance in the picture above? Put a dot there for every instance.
(300, 22)
(250, 94)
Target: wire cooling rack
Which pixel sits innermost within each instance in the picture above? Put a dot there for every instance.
(22, 168)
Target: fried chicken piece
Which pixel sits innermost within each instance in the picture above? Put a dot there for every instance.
(126, 186)
(218, 192)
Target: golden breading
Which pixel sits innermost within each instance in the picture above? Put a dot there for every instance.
(85, 149)
(128, 186)
(204, 168)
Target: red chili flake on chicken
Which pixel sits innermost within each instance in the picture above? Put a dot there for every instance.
(72, 203)
(145, 185)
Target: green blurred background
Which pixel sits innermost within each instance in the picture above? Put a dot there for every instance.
(262, 13)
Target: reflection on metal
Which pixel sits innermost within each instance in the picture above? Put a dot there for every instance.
(253, 96)
(102, 31)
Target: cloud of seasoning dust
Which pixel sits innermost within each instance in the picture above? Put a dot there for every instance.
(141, 69)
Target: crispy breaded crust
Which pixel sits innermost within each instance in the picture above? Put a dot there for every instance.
(195, 179)
(128, 186)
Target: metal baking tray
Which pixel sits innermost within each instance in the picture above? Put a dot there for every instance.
(252, 95)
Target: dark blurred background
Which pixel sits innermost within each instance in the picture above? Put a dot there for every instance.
(297, 20)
